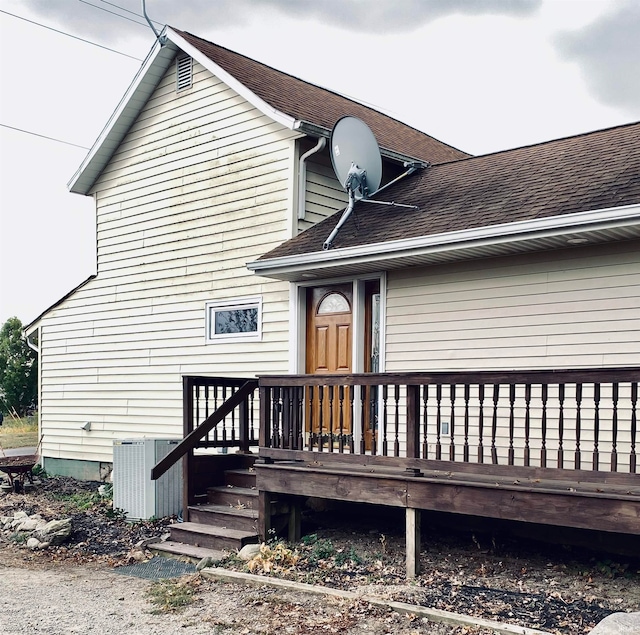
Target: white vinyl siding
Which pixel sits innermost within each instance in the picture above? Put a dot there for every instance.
(199, 187)
(324, 195)
(571, 309)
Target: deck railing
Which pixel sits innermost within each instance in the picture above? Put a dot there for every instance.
(218, 412)
(565, 419)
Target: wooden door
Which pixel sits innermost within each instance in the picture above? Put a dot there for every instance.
(329, 350)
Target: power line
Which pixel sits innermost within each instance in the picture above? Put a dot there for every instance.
(75, 37)
(117, 6)
(124, 17)
(35, 134)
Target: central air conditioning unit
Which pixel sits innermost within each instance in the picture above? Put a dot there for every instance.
(133, 490)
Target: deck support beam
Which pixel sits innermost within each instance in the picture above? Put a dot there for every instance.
(412, 542)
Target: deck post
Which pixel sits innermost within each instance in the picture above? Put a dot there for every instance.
(412, 542)
(295, 521)
(264, 515)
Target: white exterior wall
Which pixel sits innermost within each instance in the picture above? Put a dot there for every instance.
(324, 194)
(577, 308)
(572, 309)
(199, 187)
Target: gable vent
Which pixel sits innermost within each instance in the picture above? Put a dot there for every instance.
(184, 72)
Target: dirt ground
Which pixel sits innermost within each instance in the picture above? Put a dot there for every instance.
(552, 588)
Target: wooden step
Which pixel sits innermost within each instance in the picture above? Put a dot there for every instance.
(224, 516)
(210, 536)
(240, 478)
(231, 496)
(183, 551)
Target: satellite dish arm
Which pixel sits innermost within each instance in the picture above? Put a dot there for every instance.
(343, 219)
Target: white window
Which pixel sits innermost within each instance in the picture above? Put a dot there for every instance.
(235, 319)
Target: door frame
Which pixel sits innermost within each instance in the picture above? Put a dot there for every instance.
(298, 324)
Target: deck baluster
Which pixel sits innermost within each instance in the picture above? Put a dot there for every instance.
(320, 417)
(385, 444)
(233, 418)
(396, 440)
(561, 426)
(363, 410)
(287, 437)
(438, 422)
(480, 423)
(341, 418)
(216, 389)
(543, 448)
(331, 419)
(577, 461)
(512, 401)
(300, 418)
(224, 421)
(634, 426)
(596, 423)
(494, 424)
(465, 451)
(527, 424)
(452, 446)
(311, 391)
(276, 408)
(352, 397)
(252, 419)
(614, 440)
(425, 399)
(206, 408)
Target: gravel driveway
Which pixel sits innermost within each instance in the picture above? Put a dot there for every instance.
(61, 600)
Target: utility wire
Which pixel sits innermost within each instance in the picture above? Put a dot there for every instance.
(35, 134)
(75, 37)
(117, 6)
(124, 17)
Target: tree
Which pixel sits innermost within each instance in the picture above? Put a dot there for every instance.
(18, 369)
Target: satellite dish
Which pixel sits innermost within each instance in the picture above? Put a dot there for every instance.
(356, 157)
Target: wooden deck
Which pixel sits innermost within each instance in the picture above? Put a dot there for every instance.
(555, 448)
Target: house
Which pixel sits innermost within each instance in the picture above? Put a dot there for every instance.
(488, 330)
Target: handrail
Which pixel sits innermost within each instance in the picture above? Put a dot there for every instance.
(190, 441)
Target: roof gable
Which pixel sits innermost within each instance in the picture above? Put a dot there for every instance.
(287, 99)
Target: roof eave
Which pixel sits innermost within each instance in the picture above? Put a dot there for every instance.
(594, 226)
(314, 130)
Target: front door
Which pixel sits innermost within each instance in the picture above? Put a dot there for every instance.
(329, 350)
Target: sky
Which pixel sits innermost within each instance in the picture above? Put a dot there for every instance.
(481, 75)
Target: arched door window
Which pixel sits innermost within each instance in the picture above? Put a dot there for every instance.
(333, 303)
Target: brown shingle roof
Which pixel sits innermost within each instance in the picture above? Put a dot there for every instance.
(593, 171)
(321, 107)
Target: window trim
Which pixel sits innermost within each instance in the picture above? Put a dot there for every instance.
(213, 306)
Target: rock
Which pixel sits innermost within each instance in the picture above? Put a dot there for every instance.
(248, 552)
(55, 532)
(34, 543)
(618, 624)
(18, 515)
(30, 524)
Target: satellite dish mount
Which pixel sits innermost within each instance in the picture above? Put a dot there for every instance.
(357, 162)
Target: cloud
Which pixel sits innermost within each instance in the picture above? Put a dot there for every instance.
(96, 17)
(608, 53)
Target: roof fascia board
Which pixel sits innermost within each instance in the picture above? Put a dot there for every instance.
(80, 185)
(286, 120)
(519, 231)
